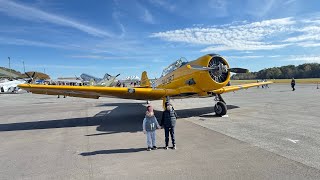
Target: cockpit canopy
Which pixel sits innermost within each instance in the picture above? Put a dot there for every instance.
(177, 64)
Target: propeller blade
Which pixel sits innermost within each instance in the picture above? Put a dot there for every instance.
(28, 75)
(238, 70)
(34, 73)
(117, 75)
(234, 70)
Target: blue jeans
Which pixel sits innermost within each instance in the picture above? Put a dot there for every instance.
(151, 138)
(168, 130)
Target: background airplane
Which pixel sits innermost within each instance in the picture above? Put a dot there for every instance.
(10, 86)
(206, 76)
(107, 80)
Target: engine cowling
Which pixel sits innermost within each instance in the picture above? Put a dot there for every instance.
(219, 72)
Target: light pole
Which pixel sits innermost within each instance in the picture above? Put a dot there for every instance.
(24, 68)
(9, 66)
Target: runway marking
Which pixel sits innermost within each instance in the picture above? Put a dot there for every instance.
(294, 141)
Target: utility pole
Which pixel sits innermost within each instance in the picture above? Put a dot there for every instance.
(9, 66)
(24, 68)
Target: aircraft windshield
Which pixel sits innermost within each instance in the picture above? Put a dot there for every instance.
(174, 66)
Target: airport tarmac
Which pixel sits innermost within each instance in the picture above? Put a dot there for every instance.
(268, 134)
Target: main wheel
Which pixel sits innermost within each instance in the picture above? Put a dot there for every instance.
(220, 109)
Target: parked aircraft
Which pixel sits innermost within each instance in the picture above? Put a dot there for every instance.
(107, 80)
(10, 86)
(206, 76)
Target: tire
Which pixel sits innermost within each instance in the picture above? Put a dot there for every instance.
(220, 109)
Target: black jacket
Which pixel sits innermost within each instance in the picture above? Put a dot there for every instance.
(168, 118)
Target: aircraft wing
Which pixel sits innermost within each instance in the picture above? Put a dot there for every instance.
(96, 92)
(239, 87)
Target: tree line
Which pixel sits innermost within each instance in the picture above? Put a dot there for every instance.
(307, 70)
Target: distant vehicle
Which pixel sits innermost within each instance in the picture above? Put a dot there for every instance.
(40, 81)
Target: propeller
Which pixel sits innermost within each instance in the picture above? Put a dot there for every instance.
(220, 67)
(217, 69)
(31, 78)
(77, 78)
(117, 75)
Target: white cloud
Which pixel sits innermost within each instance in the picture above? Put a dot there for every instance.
(127, 67)
(252, 57)
(289, 2)
(109, 57)
(309, 33)
(263, 35)
(34, 66)
(260, 8)
(309, 44)
(157, 60)
(250, 36)
(24, 42)
(274, 56)
(305, 58)
(32, 14)
(243, 47)
(219, 7)
(164, 4)
(147, 17)
(244, 57)
(247, 52)
(116, 16)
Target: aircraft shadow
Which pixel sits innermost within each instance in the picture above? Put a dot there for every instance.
(126, 117)
(113, 151)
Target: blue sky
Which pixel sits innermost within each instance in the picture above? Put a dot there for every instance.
(67, 38)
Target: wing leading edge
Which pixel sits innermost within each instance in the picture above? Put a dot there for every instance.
(239, 87)
(96, 92)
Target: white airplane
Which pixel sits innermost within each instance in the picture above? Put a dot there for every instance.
(11, 86)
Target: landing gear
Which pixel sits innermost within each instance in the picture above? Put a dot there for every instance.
(220, 108)
(164, 100)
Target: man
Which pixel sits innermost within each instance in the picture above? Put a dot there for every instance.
(293, 83)
(168, 122)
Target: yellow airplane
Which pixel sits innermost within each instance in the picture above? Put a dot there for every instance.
(206, 76)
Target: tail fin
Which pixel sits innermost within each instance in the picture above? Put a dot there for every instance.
(145, 82)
